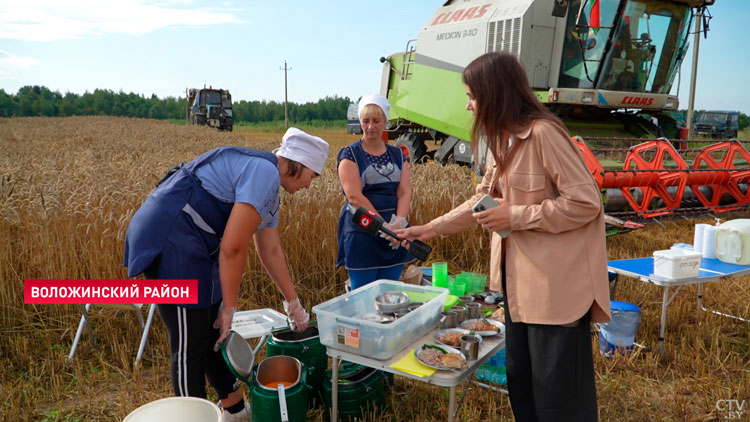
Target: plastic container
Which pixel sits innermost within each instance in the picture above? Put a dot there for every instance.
(733, 242)
(440, 274)
(618, 335)
(677, 263)
(188, 409)
(340, 328)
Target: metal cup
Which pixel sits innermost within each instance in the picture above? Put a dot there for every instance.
(473, 310)
(470, 346)
(465, 299)
(461, 311)
(400, 314)
(448, 319)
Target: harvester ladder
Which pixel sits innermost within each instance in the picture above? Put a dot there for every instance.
(411, 47)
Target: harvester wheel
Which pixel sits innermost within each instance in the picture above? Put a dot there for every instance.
(415, 144)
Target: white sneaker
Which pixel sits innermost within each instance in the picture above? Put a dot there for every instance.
(241, 416)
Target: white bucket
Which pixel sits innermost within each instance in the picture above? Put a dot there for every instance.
(183, 409)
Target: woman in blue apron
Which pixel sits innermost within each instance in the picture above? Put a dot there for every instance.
(373, 175)
(198, 224)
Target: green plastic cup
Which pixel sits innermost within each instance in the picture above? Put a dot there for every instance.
(467, 279)
(440, 274)
(457, 288)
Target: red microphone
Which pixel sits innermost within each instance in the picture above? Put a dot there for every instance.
(373, 224)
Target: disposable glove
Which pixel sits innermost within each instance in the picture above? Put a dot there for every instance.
(223, 323)
(298, 317)
(396, 223)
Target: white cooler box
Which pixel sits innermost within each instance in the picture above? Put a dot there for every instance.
(339, 327)
(677, 263)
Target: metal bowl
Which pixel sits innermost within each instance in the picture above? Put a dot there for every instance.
(390, 302)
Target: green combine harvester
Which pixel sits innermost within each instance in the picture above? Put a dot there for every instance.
(606, 67)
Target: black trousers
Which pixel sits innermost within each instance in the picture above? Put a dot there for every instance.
(192, 357)
(550, 371)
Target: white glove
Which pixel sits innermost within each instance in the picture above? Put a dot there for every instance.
(396, 223)
(223, 323)
(298, 317)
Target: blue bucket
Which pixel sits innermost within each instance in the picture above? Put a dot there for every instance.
(618, 335)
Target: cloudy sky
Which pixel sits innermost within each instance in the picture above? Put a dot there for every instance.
(332, 47)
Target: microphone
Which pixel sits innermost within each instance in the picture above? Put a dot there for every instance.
(373, 224)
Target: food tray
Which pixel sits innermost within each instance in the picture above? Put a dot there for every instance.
(258, 322)
(500, 327)
(419, 349)
(341, 328)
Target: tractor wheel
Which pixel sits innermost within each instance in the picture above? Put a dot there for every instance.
(416, 146)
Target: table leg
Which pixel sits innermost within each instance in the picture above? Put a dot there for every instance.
(334, 389)
(664, 304)
(452, 404)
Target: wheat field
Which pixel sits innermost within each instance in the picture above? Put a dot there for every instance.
(69, 186)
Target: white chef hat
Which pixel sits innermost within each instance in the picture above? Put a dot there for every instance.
(306, 149)
(376, 99)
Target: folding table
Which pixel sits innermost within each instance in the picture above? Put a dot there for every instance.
(490, 345)
(711, 270)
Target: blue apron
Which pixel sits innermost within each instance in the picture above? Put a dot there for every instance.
(358, 249)
(179, 229)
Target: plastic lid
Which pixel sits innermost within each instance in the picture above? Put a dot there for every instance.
(624, 306)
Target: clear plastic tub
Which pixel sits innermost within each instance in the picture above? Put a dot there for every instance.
(340, 325)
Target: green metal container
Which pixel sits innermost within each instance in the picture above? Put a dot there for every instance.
(361, 389)
(306, 347)
(267, 406)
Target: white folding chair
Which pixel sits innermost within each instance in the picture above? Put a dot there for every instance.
(85, 322)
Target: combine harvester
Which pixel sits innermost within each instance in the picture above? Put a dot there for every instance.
(606, 67)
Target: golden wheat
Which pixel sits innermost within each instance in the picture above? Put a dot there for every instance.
(69, 186)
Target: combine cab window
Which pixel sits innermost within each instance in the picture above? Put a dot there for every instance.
(583, 48)
(226, 100)
(648, 44)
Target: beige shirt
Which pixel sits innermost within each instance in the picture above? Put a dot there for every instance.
(556, 256)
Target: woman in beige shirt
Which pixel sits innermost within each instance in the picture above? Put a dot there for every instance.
(553, 266)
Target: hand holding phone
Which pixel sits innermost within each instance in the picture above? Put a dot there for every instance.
(486, 202)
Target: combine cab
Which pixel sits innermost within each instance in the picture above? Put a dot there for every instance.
(212, 107)
(607, 70)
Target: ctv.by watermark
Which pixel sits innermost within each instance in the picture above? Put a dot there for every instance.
(733, 409)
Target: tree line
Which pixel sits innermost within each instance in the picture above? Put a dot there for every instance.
(41, 101)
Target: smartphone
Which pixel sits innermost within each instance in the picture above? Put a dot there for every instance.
(486, 202)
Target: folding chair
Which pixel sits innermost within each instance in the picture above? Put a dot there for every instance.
(85, 322)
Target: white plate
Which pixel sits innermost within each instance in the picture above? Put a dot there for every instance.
(459, 330)
(500, 327)
(418, 350)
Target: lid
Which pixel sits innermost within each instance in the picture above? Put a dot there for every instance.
(623, 306)
(238, 355)
(677, 254)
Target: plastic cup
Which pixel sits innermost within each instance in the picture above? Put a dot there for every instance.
(440, 274)
(457, 288)
(479, 283)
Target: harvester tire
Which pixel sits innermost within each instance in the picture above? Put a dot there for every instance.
(416, 146)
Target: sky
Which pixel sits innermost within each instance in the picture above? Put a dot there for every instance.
(331, 47)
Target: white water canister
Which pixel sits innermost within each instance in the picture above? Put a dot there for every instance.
(733, 242)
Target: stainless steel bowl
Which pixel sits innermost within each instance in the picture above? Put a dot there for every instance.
(390, 302)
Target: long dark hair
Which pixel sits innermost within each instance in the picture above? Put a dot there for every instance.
(505, 104)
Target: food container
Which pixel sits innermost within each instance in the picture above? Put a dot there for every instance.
(677, 263)
(340, 328)
(733, 242)
(188, 409)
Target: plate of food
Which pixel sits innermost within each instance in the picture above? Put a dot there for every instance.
(443, 358)
(452, 337)
(483, 327)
